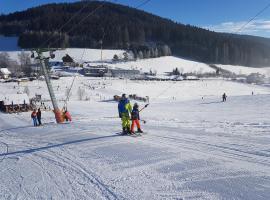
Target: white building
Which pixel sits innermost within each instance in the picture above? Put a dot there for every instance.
(4, 73)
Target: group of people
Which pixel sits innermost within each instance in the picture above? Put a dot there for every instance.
(127, 113)
(36, 116)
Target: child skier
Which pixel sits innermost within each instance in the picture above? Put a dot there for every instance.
(135, 117)
(34, 117)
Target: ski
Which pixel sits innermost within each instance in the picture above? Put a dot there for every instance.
(130, 135)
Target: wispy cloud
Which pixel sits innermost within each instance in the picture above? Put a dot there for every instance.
(257, 27)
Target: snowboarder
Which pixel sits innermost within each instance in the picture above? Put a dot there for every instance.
(135, 117)
(124, 110)
(39, 117)
(224, 97)
(34, 117)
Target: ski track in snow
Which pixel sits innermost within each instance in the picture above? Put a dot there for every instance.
(196, 149)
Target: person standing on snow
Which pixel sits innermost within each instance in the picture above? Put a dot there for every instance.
(67, 116)
(224, 97)
(124, 110)
(34, 117)
(39, 117)
(135, 117)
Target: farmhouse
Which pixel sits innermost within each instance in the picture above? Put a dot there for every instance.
(125, 73)
(95, 71)
(14, 103)
(4, 73)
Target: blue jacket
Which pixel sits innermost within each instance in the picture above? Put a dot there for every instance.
(124, 106)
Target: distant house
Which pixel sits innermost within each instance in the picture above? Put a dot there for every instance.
(14, 103)
(125, 73)
(68, 61)
(4, 73)
(191, 78)
(95, 71)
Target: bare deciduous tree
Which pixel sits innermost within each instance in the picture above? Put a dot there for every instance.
(81, 93)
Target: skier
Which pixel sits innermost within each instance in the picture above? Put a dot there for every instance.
(34, 117)
(67, 116)
(135, 117)
(39, 117)
(124, 109)
(224, 97)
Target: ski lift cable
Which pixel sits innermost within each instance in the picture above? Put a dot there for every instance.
(66, 23)
(77, 13)
(104, 33)
(143, 3)
(72, 28)
(253, 18)
(82, 20)
(239, 30)
(72, 83)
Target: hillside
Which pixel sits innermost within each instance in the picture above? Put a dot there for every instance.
(128, 28)
(193, 148)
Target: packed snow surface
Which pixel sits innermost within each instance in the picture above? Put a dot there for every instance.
(195, 146)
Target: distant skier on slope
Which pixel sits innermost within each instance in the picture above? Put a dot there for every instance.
(135, 117)
(124, 110)
(224, 97)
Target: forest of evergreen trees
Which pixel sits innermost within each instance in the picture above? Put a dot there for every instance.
(122, 27)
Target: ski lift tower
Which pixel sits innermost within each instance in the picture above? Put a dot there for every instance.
(44, 62)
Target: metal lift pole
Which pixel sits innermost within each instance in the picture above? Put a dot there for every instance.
(56, 110)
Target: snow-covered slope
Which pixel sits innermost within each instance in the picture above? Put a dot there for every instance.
(105, 89)
(78, 54)
(242, 70)
(166, 64)
(159, 65)
(193, 149)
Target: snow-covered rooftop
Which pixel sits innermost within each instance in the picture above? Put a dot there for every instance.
(5, 71)
(15, 98)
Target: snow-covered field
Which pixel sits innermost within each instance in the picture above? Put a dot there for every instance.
(195, 148)
(160, 65)
(242, 70)
(166, 64)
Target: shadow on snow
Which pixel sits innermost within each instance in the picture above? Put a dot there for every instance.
(37, 149)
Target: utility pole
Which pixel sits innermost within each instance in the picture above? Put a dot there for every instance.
(101, 42)
(101, 46)
(58, 113)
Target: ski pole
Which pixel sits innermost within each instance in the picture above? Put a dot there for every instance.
(143, 121)
(144, 107)
(140, 120)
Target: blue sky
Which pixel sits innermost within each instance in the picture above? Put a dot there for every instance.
(218, 15)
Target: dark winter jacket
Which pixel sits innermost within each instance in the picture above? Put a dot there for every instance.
(135, 114)
(39, 114)
(33, 114)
